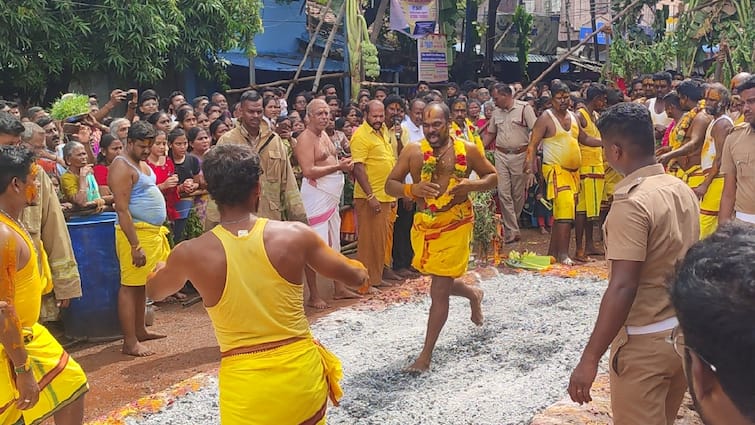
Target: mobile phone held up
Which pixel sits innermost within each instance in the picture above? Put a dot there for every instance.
(129, 96)
(76, 118)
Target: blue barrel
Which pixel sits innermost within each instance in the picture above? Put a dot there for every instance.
(94, 316)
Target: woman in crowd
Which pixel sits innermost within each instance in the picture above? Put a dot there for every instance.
(271, 110)
(300, 103)
(203, 121)
(187, 168)
(78, 183)
(161, 121)
(110, 147)
(353, 115)
(185, 118)
(217, 130)
(148, 104)
(165, 173)
(199, 145)
(474, 112)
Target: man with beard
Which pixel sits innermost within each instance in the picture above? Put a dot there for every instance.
(656, 106)
(373, 157)
(717, 100)
(714, 298)
(461, 127)
(738, 163)
(651, 225)
(321, 190)
(737, 81)
(591, 174)
(687, 137)
(280, 197)
(52, 140)
(140, 237)
(442, 229)
(559, 131)
(38, 379)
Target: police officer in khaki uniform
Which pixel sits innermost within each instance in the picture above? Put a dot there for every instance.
(652, 223)
(509, 131)
(738, 163)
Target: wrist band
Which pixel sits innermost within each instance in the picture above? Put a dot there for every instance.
(408, 190)
(26, 367)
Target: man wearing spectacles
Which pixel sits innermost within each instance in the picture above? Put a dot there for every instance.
(714, 297)
(652, 223)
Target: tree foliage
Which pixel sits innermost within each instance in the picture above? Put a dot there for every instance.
(47, 42)
(522, 22)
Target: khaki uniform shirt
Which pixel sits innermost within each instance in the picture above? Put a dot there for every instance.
(654, 219)
(280, 198)
(738, 160)
(46, 224)
(512, 126)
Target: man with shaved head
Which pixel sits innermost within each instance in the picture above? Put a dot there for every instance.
(321, 190)
(717, 100)
(373, 156)
(737, 81)
(440, 167)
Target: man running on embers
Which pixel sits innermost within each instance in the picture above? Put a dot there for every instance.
(442, 229)
(272, 371)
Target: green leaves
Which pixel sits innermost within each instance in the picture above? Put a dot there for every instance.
(522, 22)
(136, 40)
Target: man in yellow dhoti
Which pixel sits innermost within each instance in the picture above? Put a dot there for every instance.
(140, 238)
(591, 175)
(687, 138)
(272, 371)
(442, 228)
(717, 100)
(559, 132)
(38, 379)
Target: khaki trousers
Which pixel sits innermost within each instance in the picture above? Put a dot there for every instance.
(373, 233)
(511, 192)
(647, 379)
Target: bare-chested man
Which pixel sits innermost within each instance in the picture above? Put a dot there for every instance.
(321, 190)
(442, 229)
(687, 137)
(559, 131)
(656, 105)
(717, 100)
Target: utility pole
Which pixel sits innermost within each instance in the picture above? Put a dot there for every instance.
(490, 35)
(568, 24)
(594, 30)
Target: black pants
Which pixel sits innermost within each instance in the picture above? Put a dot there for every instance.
(402, 243)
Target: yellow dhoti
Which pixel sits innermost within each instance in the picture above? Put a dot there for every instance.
(612, 178)
(709, 207)
(61, 380)
(562, 186)
(154, 242)
(441, 241)
(286, 385)
(693, 176)
(592, 185)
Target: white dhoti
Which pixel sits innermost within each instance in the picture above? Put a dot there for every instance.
(322, 199)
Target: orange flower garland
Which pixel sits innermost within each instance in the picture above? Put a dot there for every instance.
(429, 165)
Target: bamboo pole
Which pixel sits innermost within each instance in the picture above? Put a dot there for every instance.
(574, 49)
(311, 43)
(379, 18)
(281, 82)
(505, 33)
(328, 45)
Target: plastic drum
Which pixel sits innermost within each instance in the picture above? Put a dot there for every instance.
(94, 316)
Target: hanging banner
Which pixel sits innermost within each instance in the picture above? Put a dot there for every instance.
(432, 60)
(415, 18)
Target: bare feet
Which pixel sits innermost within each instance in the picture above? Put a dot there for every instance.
(389, 274)
(148, 336)
(345, 294)
(544, 231)
(137, 350)
(476, 305)
(514, 239)
(407, 274)
(419, 366)
(317, 303)
(581, 257)
(595, 250)
(384, 284)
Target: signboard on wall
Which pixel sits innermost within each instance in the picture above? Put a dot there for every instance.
(432, 59)
(415, 18)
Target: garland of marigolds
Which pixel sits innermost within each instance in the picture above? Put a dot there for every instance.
(680, 130)
(429, 165)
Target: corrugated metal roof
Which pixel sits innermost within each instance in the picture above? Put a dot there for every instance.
(506, 57)
(281, 63)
